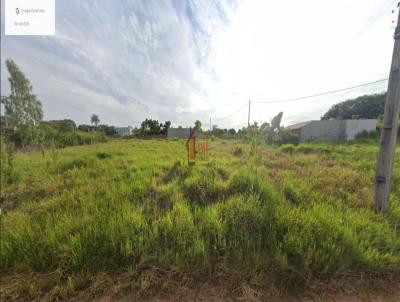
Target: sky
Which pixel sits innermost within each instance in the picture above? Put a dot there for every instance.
(176, 60)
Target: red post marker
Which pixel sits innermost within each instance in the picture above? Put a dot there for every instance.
(200, 150)
(191, 146)
(191, 151)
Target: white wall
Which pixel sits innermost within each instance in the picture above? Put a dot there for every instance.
(335, 130)
(181, 133)
(178, 133)
(321, 130)
(354, 127)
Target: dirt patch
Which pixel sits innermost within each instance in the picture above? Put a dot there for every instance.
(161, 285)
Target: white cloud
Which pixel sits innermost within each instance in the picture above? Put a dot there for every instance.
(184, 60)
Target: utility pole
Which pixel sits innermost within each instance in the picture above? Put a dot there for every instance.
(248, 116)
(387, 147)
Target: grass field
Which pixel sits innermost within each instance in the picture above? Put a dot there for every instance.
(131, 215)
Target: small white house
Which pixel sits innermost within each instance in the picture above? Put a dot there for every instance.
(124, 131)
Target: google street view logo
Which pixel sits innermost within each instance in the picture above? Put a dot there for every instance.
(17, 11)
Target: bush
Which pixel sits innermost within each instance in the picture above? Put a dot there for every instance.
(287, 136)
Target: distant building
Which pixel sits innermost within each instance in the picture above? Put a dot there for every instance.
(124, 131)
(183, 133)
(332, 130)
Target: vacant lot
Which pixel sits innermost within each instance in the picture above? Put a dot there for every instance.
(130, 216)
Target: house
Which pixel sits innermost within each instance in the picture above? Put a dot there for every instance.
(124, 131)
(183, 133)
(332, 130)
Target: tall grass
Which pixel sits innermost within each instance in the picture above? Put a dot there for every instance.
(122, 206)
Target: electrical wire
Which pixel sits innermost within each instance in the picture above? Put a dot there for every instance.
(232, 114)
(319, 94)
(301, 98)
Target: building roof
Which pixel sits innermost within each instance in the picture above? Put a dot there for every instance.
(297, 126)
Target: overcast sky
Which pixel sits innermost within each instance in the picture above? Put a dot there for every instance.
(185, 60)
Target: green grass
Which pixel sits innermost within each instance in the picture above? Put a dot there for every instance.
(302, 212)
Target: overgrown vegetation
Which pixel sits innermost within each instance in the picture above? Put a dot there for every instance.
(22, 126)
(363, 107)
(296, 212)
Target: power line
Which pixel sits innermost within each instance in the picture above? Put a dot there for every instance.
(300, 98)
(319, 94)
(232, 114)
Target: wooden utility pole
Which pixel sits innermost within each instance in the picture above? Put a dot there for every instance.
(387, 148)
(248, 116)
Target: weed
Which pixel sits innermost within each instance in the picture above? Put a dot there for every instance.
(90, 210)
(103, 155)
(303, 148)
(8, 173)
(289, 148)
(77, 163)
(295, 191)
(238, 151)
(204, 187)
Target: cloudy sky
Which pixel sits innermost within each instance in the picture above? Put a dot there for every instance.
(185, 60)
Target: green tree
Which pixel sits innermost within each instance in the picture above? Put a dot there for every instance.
(197, 125)
(363, 107)
(95, 120)
(166, 126)
(23, 110)
(150, 127)
(275, 128)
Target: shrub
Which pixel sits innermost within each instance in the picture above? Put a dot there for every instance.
(287, 136)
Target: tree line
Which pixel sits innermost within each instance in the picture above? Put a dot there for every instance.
(23, 126)
(363, 107)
